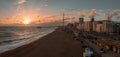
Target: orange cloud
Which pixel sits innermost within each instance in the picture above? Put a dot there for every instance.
(81, 14)
(108, 16)
(92, 14)
(21, 1)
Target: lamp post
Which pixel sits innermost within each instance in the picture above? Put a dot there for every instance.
(63, 19)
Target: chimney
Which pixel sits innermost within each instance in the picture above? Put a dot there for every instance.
(81, 20)
(92, 20)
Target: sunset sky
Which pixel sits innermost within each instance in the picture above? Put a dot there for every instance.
(19, 10)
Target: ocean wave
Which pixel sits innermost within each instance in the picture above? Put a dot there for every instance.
(22, 40)
(6, 34)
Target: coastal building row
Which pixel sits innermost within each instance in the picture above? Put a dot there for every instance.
(104, 26)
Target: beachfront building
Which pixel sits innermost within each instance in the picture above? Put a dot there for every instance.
(116, 28)
(108, 26)
(86, 26)
(98, 26)
(94, 26)
(91, 24)
(81, 21)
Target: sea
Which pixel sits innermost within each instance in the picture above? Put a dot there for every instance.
(12, 37)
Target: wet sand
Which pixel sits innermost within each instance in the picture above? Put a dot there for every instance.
(56, 44)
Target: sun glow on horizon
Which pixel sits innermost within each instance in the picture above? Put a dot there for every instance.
(27, 21)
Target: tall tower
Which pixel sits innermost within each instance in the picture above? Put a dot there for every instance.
(81, 20)
(91, 16)
(91, 24)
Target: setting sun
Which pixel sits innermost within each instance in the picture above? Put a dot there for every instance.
(26, 22)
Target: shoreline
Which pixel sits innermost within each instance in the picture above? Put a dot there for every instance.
(24, 41)
(55, 44)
